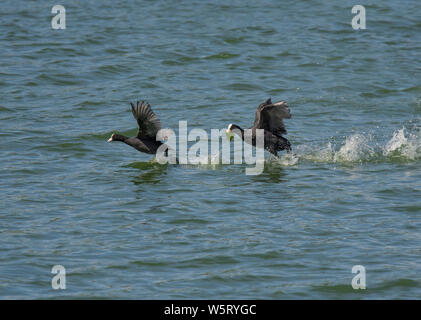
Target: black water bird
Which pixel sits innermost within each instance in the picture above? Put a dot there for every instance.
(149, 125)
(269, 117)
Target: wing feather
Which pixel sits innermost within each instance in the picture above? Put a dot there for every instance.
(269, 116)
(149, 123)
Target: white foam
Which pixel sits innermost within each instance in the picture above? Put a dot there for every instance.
(356, 148)
(398, 140)
(404, 144)
(359, 148)
(288, 159)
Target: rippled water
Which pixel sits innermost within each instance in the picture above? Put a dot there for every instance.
(125, 226)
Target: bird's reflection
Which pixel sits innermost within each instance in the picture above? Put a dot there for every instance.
(272, 173)
(150, 172)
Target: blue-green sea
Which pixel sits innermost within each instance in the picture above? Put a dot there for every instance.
(126, 227)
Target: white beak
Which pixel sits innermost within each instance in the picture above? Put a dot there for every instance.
(229, 135)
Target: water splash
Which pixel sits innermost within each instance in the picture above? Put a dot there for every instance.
(402, 147)
(287, 160)
(356, 148)
(361, 148)
(398, 140)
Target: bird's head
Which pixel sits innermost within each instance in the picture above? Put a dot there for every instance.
(112, 138)
(116, 137)
(232, 128)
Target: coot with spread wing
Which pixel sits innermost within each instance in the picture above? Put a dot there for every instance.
(149, 125)
(269, 117)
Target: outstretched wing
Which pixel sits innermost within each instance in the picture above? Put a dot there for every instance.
(269, 116)
(148, 122)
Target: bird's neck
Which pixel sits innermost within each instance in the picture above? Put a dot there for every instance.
(240, 131)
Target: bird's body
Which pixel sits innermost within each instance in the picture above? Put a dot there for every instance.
(143, 145)
(149, 125)
(268, 117)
